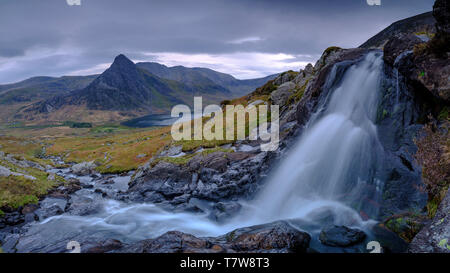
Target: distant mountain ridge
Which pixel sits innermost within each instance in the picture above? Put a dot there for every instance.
(41, 88)
(128, 90)
(205, 77)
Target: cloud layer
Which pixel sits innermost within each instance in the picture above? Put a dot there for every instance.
(246, 38)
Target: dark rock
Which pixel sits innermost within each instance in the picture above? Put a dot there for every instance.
(224, 210)
(441, 12)
(50, 211)
(13, 218)
(390, 242)
(274, 237)
(215, 177)
(397, 45)
(103, 247)
(341, 236)
(171, 242)
(435, 237)
(30, 217)
(29, 208)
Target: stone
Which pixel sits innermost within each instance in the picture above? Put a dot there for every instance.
(30, 217)
(29, 208)
(83, 169)
(103, 247)
(5, 172)
(50, 211)
(277, 237)
(341, 236)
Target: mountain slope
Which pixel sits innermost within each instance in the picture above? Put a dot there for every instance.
(421, 24)
(41, 88)
(205, 79)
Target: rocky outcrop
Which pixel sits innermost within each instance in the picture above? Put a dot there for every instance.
(277, 237)
(427, 68)
(398, 45)
(281, 95)
(214, 177)
(435, 237)
(422, 23)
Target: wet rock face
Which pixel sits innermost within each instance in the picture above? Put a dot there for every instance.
(397, 45)
(435, 237)
(316, 85)
(341, 236)
(277, 237)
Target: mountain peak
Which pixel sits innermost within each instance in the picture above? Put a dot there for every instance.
(122, 60)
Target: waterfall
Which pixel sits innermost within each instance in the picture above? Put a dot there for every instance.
(333, 166)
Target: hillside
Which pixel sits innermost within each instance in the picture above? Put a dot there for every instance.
(420, 24)
(40, 88)
(205, 79)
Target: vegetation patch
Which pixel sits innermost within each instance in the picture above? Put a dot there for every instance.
(434, 155)
(17, 191)
(73, 124)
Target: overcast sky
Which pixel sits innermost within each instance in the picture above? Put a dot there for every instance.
(245, 38)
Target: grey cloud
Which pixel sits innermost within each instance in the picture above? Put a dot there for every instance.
(96, 31)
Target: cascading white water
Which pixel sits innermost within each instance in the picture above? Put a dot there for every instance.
(330, 171)
(336, 158)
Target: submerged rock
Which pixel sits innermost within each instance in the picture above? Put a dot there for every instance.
(341, 236)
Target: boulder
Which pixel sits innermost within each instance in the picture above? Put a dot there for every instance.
(341, 236)
(277, 237)
(5, 172)
(83, 169)
(47, 212)
(274, 237)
